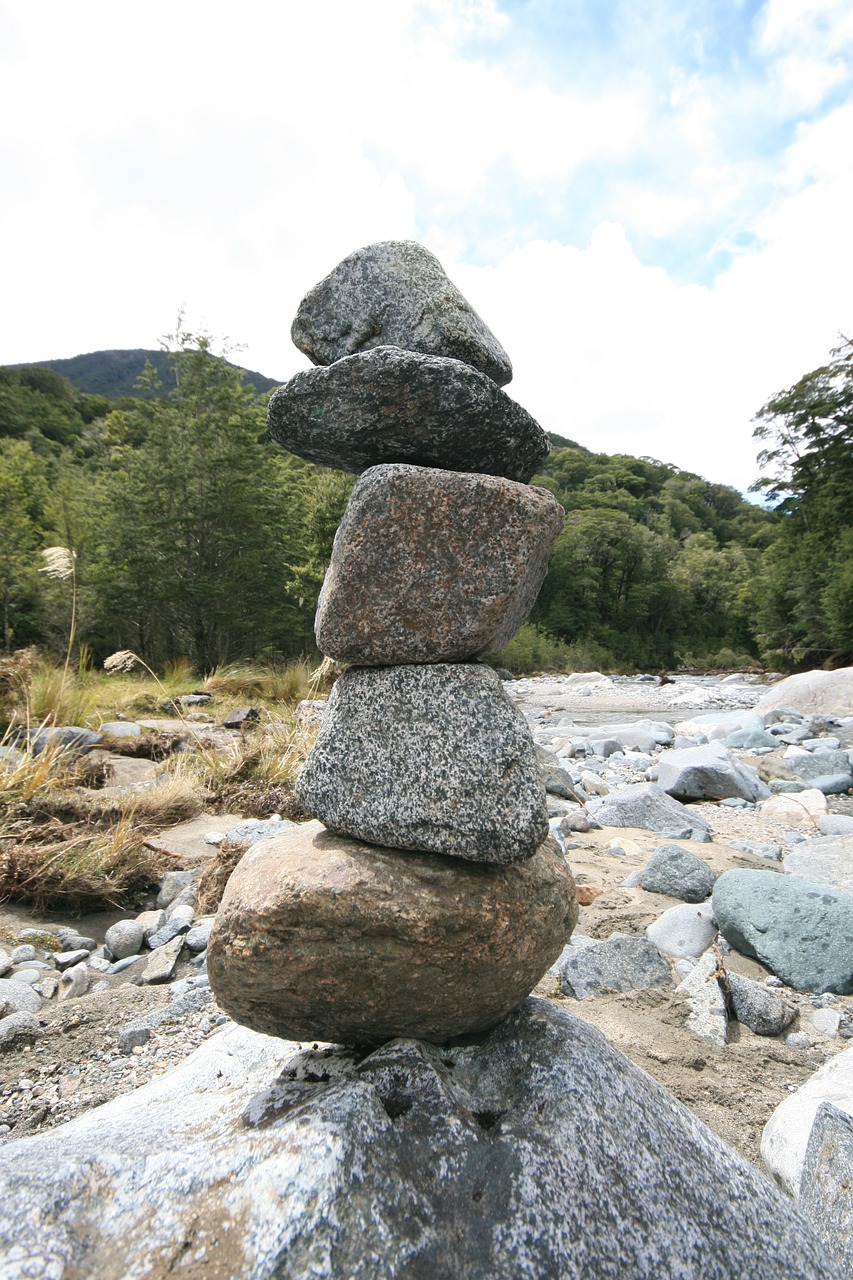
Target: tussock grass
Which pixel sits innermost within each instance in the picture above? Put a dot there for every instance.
(274, 682)
(257, 771)
(25, 776)
(73, 869)
(173, 796)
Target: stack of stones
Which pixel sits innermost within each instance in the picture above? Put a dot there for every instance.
(428, 899)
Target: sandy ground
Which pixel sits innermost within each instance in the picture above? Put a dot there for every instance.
(76, 1064)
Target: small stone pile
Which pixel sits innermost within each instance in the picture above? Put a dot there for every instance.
(428, 899)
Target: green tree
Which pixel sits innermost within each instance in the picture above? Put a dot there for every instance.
(198, 518)
(23, 497)
(805, 611)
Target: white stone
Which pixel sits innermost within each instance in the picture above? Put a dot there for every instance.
(682, 931)
(801, 809)
(786, 1134)
(707, 1017)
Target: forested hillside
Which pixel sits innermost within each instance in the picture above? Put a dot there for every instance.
(115, 374)
(195, 536)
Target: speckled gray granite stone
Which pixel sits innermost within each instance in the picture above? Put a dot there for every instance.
(433, 566)
(427, 757)
(619, 963)
(678, 873)
(802, 932)
(395, 293)
(826, 1186)
(537, 1153)
(390, 405)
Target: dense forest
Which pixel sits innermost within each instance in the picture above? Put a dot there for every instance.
(192, 534)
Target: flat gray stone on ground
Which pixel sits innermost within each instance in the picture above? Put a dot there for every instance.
(802, 931)
(646, 805)
(708, 772)
(389, 405)
(319, 937)
(836, 824)
(679, 873)
(161, 963)
(620, 963)
(826, 1185)
(395, 293)
(558, 1160)
(435, 758)
(758, 1007)
(819, 764)
(719, 724)
(825, 860)
(433, 566)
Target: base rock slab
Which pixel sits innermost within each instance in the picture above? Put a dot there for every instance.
(434, 758)
(537, 1153)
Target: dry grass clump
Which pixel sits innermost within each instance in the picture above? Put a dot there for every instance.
(257, 772)
(215, 876)
(173, 796)
(57, 867)
(272, 681)
(26, 777)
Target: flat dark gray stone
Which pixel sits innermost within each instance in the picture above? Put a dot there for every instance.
(620, 963)
(395, 293)
(427, 757)
(536, 1153)
(677, 872)
(802, 931)
(390, 405)
(433, 566)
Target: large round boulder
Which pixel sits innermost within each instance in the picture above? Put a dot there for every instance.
(319, 937)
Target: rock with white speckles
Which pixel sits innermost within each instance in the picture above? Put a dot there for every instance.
(536, 1153)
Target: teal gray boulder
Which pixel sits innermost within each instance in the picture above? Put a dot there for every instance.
(390, 405)
(395, 294)
(802, 931)
(433, 566)
(537, 1152)
(435, 758)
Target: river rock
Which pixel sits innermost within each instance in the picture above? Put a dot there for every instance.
(786, 1135)
(395, 294)
(802, 932)
(646, 805)
(435, 758)
(683, 931)
(19, 1028)
(803, 810)
(677, 872)
(125, 938)
(826, 1184)
(720, 724)
(707, 1004)
(708, 773)
(69, 737)
(537, 1153)
(319, 937)
(17, 997)
(758, 1007)
(824, 860)
(819, 764)
(389, 405)
(161, 963)
(619, 963)
(827, 693)
(433, 566)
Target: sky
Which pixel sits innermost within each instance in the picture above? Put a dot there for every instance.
(649, 202)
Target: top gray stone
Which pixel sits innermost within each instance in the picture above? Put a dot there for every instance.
(390, 405)
(395, 294)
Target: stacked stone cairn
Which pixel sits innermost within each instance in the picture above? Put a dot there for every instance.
(428, 899)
